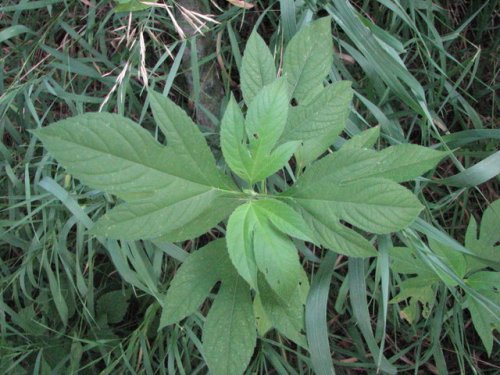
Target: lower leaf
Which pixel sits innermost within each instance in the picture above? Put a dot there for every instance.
(286, 315)
(193, 282)
(340, 239)
(229, 333)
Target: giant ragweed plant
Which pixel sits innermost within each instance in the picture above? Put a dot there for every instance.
(176, 191)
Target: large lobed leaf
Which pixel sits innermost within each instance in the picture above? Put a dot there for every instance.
(374, 204)
(250, 146)
(193, 282)
(229, 333)
(255, 244)
(320, 114)
(166, 189)
(359, 186)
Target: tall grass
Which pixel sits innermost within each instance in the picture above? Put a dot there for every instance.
(424, 71)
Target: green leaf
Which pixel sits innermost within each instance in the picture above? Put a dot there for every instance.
(489, 223)
(313, 148)
(416, 290)
(267, 116)
(257, 67)
(365, 139)
(484, 280)
(256, 156)
(166, 188)
(264, 124)
(112, 153)
(286, 315)
(419, 288)
(162, 213)
(405, 162)
(278, 158)
(397, 163)
(404, 260)
(486, 246)
(276, 257)
(338, 238)
(229, 333)
(262, 321)
(220, 209)
(193, 282)
(187, 142)
(254, 244)
(114, 305)
(324, 115)
(233, 140)
(454, 259)
(483, 320)
(308, 58)
(284, 218)
(239, 237)
(373, 204)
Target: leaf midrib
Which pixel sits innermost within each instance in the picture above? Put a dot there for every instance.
(162, 149)
(346, 201)
(168, 205)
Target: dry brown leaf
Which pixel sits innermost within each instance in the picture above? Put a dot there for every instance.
(241, 4)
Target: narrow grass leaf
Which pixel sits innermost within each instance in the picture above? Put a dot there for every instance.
(316, 317)
(357, 292)
(479, 173)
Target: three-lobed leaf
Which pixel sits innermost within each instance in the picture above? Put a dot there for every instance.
(376, 205)
(165, 188)
(264, 123)
(255, 244)
(307, 61)
(229, 333)
(250, 145)
(359, 186)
